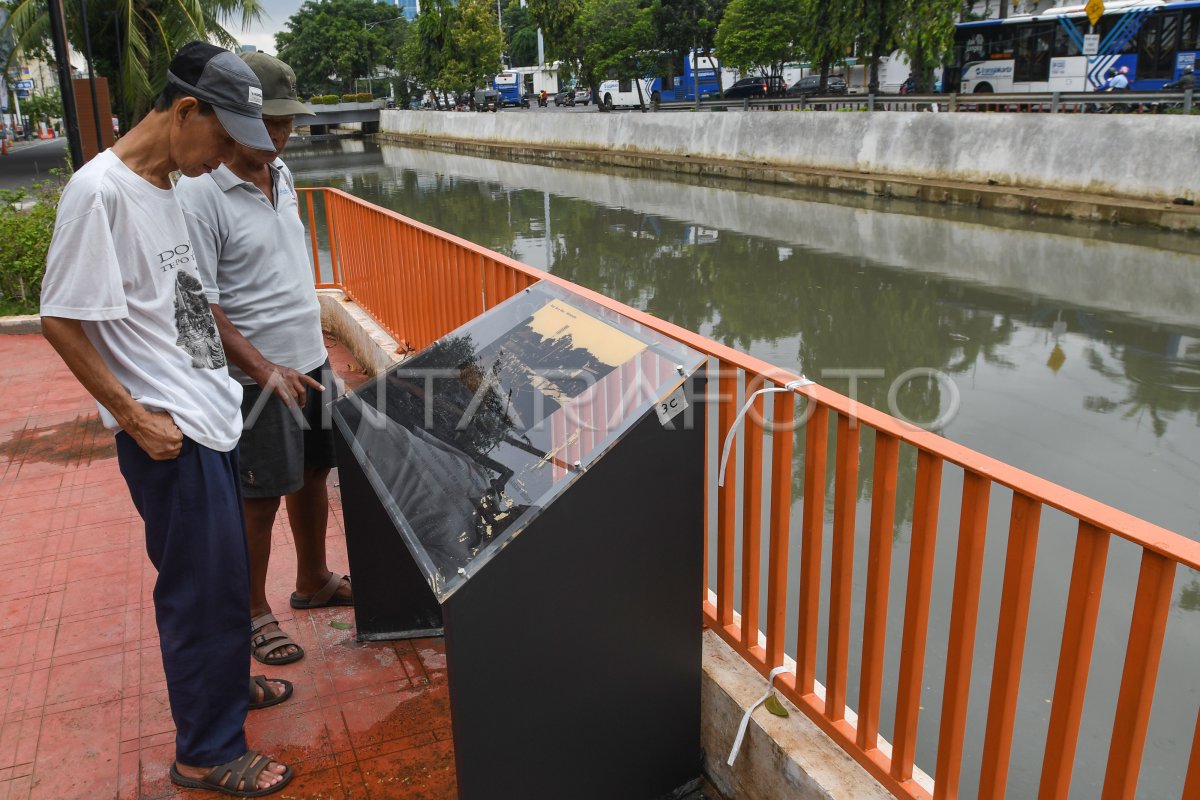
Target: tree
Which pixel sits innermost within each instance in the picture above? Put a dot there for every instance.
(559, 21)
(476, 44)
(683, 25)
(332, 43)
(620, 41)
(132, 41)
(827, 35)
(759, 35)
(520, 32)
(878, 23)
(927, 35)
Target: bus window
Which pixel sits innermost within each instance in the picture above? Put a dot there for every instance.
(1107, 23)
(625, 85)
(1187, 29)
(1157, 42)
(1033, 53)
(1065, 46)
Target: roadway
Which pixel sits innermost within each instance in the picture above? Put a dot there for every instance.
(29, 162)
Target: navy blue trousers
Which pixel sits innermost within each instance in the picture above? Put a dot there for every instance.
(196, 539)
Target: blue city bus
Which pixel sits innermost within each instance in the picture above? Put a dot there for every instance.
(508, 84)
(675, 79)
(1043, 52)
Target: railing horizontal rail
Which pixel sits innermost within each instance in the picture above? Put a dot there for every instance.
(421, 283)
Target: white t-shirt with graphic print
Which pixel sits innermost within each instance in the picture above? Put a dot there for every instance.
(122, 263)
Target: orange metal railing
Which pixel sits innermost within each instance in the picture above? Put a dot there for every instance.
(421, 283)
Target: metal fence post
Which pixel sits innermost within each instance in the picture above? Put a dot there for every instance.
(1054, 103)
(870, 103)
(802, 100)
(1187, 101)
(745, 104)
(952, 103)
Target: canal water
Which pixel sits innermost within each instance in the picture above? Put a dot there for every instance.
(1066, 349)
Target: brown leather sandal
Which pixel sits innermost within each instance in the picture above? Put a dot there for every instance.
(263, 644)
(327, 596)
(243, 771)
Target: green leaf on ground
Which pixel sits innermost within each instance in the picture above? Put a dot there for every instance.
(341, 626)
(775, 707)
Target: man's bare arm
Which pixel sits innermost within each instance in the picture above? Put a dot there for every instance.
(154, 431)
(288, 384)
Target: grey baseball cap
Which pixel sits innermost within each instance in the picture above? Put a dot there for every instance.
(223, 80)
(278, 85)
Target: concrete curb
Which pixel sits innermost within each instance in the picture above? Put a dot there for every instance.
(26, 323)
(372, 346)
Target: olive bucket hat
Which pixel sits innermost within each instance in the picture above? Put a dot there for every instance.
(278, 86)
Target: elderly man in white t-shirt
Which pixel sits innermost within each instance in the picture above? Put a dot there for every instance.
(123, 305)
(245, 226)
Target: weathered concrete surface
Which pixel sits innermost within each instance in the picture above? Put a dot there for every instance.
(24, 323)
(367, 341)
(1057, 165)
(782, 758)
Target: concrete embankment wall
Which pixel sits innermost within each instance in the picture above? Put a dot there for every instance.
(1147, 157)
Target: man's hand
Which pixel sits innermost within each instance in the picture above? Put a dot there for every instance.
(157, 434)
(286, 383)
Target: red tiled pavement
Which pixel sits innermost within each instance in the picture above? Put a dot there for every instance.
(81, 686)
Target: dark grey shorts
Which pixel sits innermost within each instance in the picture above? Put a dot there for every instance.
(279, 443)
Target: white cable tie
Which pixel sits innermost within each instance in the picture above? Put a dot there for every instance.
(737, 421)
(741, 734)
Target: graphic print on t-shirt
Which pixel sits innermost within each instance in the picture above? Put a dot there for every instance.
(195, 324)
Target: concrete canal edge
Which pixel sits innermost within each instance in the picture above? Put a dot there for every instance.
(1088, 167)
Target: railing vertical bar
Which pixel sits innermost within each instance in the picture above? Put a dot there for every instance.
(1191, 781)
(726, 495)
(491, 290)
(445, 288)
(312, 232)
(841, 573)
(752, 434)
(916, 613)
(1074, 661)
(1147, 629)
(783, 431)
(879, 570)
(335, 261)
(816, 456)
(964, 617)
(1010, 643)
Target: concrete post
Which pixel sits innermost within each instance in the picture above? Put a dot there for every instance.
(1054, 103)
(870, 103)
(1187, 101)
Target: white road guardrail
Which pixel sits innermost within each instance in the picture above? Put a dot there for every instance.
(1053, 103)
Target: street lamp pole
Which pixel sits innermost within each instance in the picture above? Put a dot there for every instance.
(371, 68)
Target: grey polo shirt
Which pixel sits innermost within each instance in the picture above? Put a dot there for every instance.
(254, 264)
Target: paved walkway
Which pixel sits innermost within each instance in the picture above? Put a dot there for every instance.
(82, 692)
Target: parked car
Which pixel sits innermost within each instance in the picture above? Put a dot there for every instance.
(583, 96)
(811, 86)
(756, 86)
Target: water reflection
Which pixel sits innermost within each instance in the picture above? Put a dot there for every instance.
(1059, 335)
(1074, 350)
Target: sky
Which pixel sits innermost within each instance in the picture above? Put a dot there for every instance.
(261, 34)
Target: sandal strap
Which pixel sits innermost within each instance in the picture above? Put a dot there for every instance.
(271, 641)
(261, 621)
(261, 682)
(241, 774)
(328, 590)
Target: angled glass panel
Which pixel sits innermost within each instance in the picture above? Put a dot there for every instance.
(467, 441)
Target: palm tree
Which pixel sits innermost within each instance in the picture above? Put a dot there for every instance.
(132, 41)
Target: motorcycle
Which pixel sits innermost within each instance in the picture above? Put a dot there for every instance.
(542, 101)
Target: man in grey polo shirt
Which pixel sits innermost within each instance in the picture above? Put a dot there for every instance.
(245, 227)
